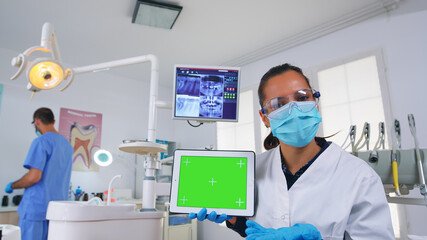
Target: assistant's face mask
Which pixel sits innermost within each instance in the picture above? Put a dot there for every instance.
(296, 123)
(38, 133)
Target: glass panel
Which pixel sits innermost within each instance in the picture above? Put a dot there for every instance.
(225, 138)
(332, 86)
(245, 137)
(336, 119)
(246, 108)
(156, 16)
(362, 79)
(371, 111)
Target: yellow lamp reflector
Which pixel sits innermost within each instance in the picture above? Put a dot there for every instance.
(46, 75)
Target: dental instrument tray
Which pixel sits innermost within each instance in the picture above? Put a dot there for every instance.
(221, 181)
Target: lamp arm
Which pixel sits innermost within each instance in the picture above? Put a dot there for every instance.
(20, 61)
(48, 40)
(68, 73)
(152, 114)
(30, 50)
(113, 64)
(154, 83)
(164, 104)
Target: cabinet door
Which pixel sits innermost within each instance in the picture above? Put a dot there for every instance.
(9, 218)
(182, 232)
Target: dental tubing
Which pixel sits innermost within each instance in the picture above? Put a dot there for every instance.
(109, 188)
(365, 135)
(373, 157)
(394, 163)
(423, 190)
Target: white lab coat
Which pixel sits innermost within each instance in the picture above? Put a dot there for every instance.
(339, 194)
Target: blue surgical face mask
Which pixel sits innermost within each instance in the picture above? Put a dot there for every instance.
(296, 123)
(38, 133)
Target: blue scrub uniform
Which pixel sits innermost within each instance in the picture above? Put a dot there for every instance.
(53, 155)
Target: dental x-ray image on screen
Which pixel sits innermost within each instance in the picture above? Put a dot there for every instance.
(188, 85)
(187, 95)
(206, 93)
(211, 90)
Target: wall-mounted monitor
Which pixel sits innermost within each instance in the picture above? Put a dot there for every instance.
(206, 94)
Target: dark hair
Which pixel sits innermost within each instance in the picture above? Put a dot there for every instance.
(270, 141)
(45, 115)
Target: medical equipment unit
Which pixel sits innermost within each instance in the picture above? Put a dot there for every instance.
(221, 181)
(400, 169)
(206, 93)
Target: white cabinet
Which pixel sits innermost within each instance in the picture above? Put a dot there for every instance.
(179, 227)
(8, 215)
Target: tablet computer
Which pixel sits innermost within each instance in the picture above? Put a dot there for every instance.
(221, 181)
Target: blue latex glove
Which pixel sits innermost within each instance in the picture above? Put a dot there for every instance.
(213, 216)
(297, 232)
(9, 188)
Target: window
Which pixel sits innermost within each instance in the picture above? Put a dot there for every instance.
(351, 95)
(240, 135)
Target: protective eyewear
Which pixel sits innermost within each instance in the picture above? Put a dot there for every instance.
(303, 95)
(285, 111)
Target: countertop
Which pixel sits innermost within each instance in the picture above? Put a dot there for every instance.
(15, 208)
(8, 209)
(131, 201)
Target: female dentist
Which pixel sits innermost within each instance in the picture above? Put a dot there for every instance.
(307, 188)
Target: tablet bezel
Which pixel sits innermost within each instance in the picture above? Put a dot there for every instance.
(250, 181)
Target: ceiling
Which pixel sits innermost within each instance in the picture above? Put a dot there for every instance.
(205, 33)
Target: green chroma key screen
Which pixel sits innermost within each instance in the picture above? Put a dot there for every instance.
(212, 182)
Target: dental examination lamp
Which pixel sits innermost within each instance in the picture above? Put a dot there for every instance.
(42, 73)
(47, 73)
